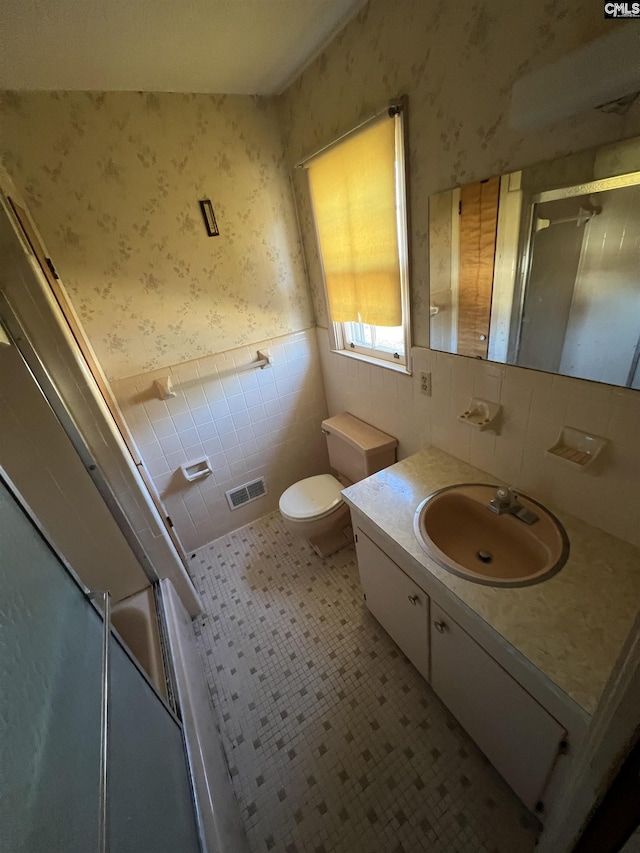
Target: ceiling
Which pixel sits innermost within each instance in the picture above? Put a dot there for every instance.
(217, 46)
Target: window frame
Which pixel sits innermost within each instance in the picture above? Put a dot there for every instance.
(381, 353)
(338, 339)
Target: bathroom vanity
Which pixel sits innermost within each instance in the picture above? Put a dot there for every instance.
(522, 669)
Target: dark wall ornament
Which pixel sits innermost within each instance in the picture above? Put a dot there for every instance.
(209, 218)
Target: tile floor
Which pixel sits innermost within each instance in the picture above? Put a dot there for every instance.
(334, 742)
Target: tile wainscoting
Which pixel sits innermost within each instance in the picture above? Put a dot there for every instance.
(259, 423)
(535, 408)
(266, 423)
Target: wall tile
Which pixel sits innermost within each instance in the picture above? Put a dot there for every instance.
(536, 407)
(212, 446)
(245, 433)
(482, 449)
(151, 450)
(589, 408)
(186, 372)
(236, 403)
(201, 416)
(624, 424)
(157, 466)
(177, 404)
(144, 430)
(457, 440)
(256, 413)
(241, 417)
(229, 439)
(155, 409)
(190, 441)
(207, 431)
(507, 460)
(214, 394)
(169, 444)
(164, 427)
(195, 396)
(243, 437)
(516, 400)
(487, 380)
(224, 425)
(231, 386)
(183, 421)
(252, 397)
(175, 459)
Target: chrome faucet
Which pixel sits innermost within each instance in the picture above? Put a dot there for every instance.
(503, 501)
(506, 500)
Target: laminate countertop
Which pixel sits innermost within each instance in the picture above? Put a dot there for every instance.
(571, 627)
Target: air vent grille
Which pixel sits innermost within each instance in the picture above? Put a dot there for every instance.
(246, 493)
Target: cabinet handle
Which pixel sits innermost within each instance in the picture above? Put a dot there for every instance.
(440, 627)
(413, 599)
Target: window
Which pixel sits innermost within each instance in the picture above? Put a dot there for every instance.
(357, 188)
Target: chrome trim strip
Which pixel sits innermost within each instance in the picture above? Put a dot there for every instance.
(103, 814)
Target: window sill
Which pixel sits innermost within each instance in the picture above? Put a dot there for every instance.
(405, 369)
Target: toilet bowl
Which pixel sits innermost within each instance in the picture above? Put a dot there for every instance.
(314, 508)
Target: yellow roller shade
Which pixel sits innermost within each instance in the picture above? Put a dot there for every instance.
(353, 187)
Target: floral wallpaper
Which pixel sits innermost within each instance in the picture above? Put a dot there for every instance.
(113, 180)
(457, 63)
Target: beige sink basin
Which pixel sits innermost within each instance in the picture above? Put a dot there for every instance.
(458, 530)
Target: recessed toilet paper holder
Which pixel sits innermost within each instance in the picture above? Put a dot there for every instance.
(196, 470)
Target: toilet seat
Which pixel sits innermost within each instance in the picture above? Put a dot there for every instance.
(312, 498)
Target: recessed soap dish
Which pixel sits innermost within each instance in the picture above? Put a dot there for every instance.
(482, 414)
(576, 447)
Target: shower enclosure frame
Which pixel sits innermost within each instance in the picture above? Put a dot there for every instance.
(58, 343)
(99, 600)
(526, 256)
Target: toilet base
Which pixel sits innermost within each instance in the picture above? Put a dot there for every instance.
(325, 535)
(332, 541)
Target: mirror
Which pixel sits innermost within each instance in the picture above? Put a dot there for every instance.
(541, 267)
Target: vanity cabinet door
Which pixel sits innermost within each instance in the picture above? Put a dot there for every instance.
(400, 606)
(520, 738)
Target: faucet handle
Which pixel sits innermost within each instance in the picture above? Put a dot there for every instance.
(504, 497)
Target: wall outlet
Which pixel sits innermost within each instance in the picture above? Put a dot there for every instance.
(425, 384)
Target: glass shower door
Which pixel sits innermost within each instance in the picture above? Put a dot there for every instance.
(51, 645)
(150, 804)
(50, 691)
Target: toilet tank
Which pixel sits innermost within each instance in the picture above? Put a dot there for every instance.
(357, 449)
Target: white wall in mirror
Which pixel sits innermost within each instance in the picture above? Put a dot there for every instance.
(541, 267)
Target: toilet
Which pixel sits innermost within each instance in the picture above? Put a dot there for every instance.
(314, 508)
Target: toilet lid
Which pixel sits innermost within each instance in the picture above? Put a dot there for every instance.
(314, 497)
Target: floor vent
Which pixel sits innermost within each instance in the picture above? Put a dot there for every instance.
(246, 493)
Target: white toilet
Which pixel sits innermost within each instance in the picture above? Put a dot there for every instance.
(314, 508)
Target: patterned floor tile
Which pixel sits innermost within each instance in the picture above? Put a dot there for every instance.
(335, 743)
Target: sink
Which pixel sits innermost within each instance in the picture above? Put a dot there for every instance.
(457, 529)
